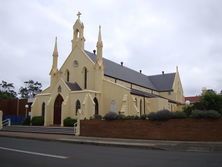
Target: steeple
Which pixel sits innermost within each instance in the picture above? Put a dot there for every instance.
(99, 45)
(78, 33)
(55, 59)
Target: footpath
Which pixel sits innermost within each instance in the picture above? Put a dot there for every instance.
(129, 143)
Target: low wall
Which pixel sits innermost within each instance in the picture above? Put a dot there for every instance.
(174, 129)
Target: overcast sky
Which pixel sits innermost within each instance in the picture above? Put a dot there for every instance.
(151, 35)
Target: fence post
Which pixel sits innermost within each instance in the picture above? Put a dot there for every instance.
(1, 114)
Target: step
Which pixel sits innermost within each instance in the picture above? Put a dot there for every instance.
(40, 129)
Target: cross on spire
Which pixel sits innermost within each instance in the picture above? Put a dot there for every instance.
(79, 14)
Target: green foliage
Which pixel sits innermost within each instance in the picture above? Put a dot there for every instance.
(188, 110)
(37, 121)
(143, 117)
(211, 101)
(111, 116)
(96, 117)
(179, 115)
(31, 89)
(205, 114)
(161, 115)
(27, 121)
(7, 90)
(132, 117)
(69, 122)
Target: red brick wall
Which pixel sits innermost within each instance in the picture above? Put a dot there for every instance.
(174, 129)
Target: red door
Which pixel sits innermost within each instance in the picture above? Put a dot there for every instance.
(57, 110)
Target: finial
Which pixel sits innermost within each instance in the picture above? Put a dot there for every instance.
(79, 14)
(177, 69)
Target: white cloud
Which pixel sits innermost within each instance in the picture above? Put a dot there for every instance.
(153, 35)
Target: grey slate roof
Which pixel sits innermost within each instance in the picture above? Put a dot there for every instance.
(73, 86)
(163, 82)
(123, 73)
(142, 93)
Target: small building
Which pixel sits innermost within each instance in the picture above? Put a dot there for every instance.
(90, 84)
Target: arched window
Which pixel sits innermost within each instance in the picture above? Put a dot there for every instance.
(78, 106)
(43, 109)
(136, 101)
(85, 77)
(96, 106)
(140, 106)
(67, 75)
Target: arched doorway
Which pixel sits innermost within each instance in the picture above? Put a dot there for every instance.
(96, 106)
(57, 110)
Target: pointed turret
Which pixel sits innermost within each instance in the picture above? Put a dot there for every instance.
(78, 33)
(99, 45)
(55, 59)
(99, 69)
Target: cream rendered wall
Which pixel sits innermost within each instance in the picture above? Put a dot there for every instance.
(112, 91)
(157, 104)
(109, 78)
(77, 73)
(125, 84)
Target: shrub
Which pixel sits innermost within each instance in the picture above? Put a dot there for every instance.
(205, 114)
(96, 117)
(161, 115)
(27, 121)
(69, 122)
(121, 117)
(111, 116)
(132, 117)
(143, 117)
(179, 115)
(37, 121)
(188, 110)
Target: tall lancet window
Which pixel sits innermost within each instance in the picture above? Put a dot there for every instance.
(85, 77)
(67, 75)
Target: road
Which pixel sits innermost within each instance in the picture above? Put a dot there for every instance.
(24, 152)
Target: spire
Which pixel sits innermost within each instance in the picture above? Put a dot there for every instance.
(99, 45)
(99, 42)
(177, 69)
(55, 51)
(55, 59)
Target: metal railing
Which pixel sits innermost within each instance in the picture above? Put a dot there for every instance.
(75, 128)
(6, 122)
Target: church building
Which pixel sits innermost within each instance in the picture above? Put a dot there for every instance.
(90, 84)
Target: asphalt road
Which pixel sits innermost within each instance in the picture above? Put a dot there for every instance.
(33, 153)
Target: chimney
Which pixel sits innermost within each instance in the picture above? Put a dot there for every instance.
(140, 71)
(163, 72)
(121, 63)
(94, 51)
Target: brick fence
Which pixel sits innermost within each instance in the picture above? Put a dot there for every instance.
(174, 129)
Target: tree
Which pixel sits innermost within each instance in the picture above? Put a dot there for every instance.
(31, 89)
(210, 100)
(7, 90)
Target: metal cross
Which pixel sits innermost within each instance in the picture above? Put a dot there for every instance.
(79, 14)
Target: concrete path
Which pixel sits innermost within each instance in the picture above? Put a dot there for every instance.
(144, 144)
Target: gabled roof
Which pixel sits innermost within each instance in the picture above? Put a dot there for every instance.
(73, 86)
(123, 73)
(163, 82)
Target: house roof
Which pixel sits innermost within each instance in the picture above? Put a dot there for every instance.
(193, 99)
(73, 86)
(117, 71)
